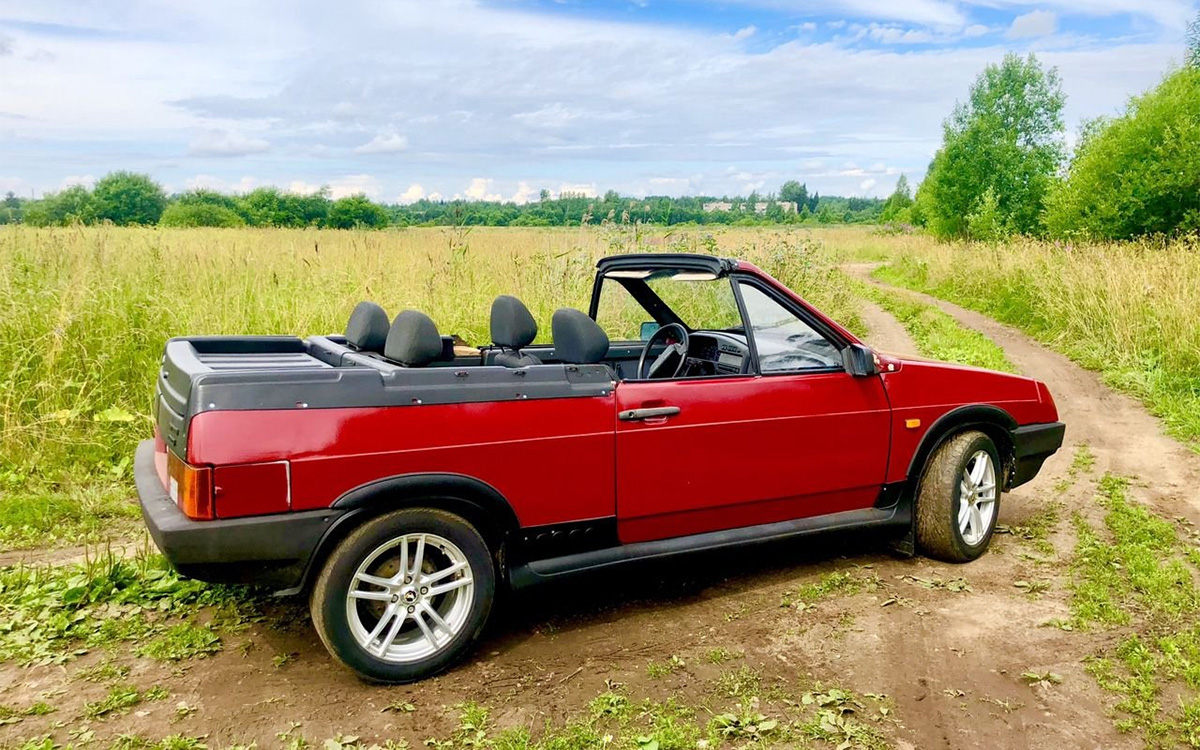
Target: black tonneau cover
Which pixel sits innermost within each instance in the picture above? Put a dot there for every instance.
(214, 373)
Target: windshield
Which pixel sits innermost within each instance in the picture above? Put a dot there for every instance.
(701, 301)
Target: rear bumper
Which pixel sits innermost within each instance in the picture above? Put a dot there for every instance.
(263, 550)
(1032, 445)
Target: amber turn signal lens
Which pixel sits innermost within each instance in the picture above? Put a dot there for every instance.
(190, 487)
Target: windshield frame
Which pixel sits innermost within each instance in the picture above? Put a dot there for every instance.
(663, 314)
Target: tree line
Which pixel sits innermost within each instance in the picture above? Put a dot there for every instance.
(1003, 168)
(126, 198)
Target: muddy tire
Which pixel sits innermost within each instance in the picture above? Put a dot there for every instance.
(958, 499)
(405, 595)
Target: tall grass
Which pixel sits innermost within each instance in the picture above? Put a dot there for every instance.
(84, 314)
(1128, 311)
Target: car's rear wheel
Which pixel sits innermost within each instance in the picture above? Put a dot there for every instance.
(958, 500)
(405, 595)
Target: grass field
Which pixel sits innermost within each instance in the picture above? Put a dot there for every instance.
(1128, 311)
(84, 313)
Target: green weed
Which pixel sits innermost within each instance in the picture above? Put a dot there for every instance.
(657, 669)
(104, 671)
(50, 611)
(182, 641)
(1036, 529)
(720, 655)
(840, 582)
(1136, 575)
(119, 700)
(939, 336)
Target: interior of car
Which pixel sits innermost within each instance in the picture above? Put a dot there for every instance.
(653, 323)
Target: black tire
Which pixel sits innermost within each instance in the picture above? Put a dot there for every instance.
(939, 499)
(330, 608)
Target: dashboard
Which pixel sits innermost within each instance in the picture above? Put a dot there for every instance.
(713, 353)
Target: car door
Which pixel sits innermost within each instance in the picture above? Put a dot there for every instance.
(802, 438)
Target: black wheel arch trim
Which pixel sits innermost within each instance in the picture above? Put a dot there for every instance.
(975, 415)
(458, 493)
(432, 486)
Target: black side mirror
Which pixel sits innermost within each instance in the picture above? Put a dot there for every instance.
(859, 361)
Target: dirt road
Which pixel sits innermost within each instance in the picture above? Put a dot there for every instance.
(948, 644)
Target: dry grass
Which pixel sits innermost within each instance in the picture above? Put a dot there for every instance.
(84, 314)
(1130, 311)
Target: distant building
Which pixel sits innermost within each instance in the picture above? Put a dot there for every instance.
(788, 207)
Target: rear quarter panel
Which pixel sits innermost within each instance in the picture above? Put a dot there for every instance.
(927, 390)
(552, 459)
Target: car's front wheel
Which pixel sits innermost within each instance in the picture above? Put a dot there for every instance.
(405, 595)
(958, 500)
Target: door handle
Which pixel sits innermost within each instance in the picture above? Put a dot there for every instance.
(658, 412)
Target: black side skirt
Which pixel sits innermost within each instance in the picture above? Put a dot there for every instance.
(897, 518)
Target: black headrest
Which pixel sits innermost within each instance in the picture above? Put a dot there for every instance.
(513, 326)
(368, 327)
(413, 340)
(577, 338)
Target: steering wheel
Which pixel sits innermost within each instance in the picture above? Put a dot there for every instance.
(660, 368)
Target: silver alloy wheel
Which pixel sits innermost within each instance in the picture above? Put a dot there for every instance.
(410, 597)
(977, 498)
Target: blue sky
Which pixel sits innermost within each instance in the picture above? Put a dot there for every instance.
(502, 98)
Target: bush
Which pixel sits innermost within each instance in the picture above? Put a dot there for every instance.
(126, 198)
(1138, 173)
(61, 209)
(985, 223)
(1007, 138)
(357, 211)
(199, 215)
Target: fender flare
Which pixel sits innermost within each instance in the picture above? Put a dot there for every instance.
(394, 491)
(994, 421)
(477, 501)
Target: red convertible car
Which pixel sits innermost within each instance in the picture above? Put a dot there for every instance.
(402, 481)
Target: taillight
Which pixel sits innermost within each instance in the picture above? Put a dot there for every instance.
(190, 487)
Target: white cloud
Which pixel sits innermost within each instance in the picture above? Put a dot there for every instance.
(14, 185)
(300, 187)
(808, 26)
(225, 143)
(355, 184)
(387, 143)
(931, 12)
(1171, 14)
(745, 33)
(866, 184)
(525, 193)
(480, 189)
(553, 116)
(1033, 24)
(212, 182)
(87, 180)
(561, 98)
(588, 190)
(413, 194)
(899, 35)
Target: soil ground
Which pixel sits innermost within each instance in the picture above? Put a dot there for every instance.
(949, 656)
